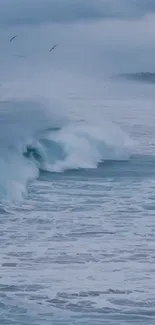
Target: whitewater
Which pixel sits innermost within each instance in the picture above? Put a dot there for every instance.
(35, 137)
(77, 163)
(77, 208)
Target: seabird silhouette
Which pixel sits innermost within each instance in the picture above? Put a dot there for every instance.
(53, 47)
(19, 56)
(11, 39)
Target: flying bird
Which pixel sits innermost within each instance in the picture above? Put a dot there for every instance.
(19, 56)
(53, 47)
(13, 38)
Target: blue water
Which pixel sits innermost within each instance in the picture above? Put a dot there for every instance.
(77, 210)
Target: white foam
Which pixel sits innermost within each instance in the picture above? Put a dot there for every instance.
(72, 145)
(83, 146)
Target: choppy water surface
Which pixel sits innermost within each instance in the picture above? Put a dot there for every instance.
(79, 248)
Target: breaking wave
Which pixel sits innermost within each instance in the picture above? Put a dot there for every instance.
(32, 140)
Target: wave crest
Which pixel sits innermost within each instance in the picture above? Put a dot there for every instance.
(30, 145)
(77, 145)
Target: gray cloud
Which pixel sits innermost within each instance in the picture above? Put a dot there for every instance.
(87, 48)
(91, 49)
(48, 11)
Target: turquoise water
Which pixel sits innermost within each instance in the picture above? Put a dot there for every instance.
(77, 162)
(77, 213)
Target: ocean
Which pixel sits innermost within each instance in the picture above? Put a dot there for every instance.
(77, 163)
(77, 210)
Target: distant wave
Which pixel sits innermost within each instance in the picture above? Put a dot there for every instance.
(31, 143)
(146, 77)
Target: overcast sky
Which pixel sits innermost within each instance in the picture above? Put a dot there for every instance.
(95, 37)
(14, 12)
